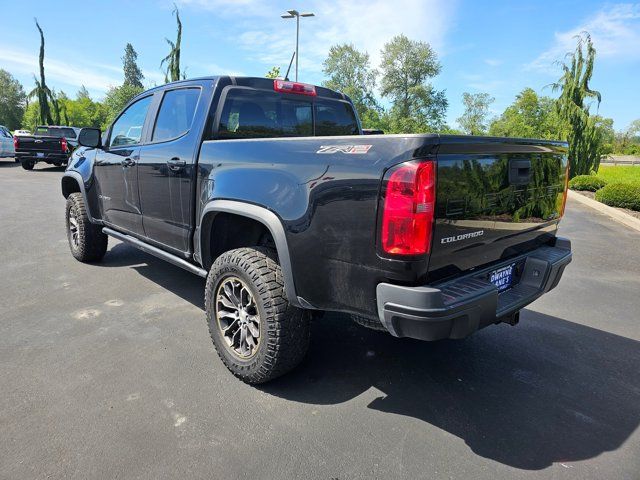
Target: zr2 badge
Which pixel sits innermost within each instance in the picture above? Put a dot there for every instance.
(348, 149)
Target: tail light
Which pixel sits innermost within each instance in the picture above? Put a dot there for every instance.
(64, 145)
(566, 189)
(408, 209)
(285, 86)
(16, 143)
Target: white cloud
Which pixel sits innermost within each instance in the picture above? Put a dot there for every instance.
(493, 62)
(368, 24)
(615, 31)
(61, 71)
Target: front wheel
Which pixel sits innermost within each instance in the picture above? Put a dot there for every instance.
(86, 240)
(255, 331)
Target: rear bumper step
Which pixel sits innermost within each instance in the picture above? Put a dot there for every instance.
(459, 307)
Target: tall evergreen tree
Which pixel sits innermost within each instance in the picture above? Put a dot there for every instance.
(41, 91)
(132, 73)
(580, 129)
(172, 73)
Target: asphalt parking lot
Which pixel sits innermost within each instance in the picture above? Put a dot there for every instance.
(107, 371)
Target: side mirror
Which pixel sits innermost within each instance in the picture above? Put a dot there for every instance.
(90, 137)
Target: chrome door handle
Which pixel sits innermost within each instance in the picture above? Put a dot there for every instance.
(176, 164)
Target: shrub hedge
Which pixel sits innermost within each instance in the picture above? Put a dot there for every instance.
(620, 195)
(587, 182)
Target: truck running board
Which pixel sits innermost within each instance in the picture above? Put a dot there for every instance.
(156, 252)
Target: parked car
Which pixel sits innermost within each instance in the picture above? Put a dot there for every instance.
(269, 189)
(50, 143)
(21, 133)
(6, 143)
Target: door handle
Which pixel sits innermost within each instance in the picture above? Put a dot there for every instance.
(176, 164)
(127, 162)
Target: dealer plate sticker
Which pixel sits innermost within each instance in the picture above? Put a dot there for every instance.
(502, 277)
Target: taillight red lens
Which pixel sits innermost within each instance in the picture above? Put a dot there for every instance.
(285, 86)
(16, 143)
(64, 145)
(408, 212)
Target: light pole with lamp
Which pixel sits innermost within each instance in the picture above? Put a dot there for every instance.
(295, 14)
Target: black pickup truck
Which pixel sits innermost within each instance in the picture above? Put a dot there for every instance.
(49, 143)
(270, 190)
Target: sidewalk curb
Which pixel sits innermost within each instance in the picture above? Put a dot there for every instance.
(614, 213)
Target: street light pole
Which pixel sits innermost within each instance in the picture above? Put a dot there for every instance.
(295, 14)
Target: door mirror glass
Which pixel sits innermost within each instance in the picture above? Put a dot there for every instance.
(90, 137)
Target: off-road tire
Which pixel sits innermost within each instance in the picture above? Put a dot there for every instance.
(28, 164)
(91, 242)
(284, 329)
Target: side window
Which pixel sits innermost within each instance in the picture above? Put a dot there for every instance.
(335, 118)
(176, 114)
(128, 128)
(251, 114)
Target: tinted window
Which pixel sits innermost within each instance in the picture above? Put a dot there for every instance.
(128, 128)
(62, 132)
(253, 114)
(335, 118)
(176, 113)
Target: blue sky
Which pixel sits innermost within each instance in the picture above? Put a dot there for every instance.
(498, 47)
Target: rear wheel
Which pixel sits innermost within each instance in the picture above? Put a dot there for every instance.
(255, 331)
(28, 164)
(86, 240)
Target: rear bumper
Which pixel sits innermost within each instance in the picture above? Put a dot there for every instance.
(47, 157)
(459, 307)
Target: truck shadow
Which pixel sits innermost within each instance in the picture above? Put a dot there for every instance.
(547, 391)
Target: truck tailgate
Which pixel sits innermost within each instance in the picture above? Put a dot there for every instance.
(39, 144)
(495, 198)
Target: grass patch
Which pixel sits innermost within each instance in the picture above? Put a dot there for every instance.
(620, 174)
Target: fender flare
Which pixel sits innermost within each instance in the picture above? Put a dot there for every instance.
(275, 227)
(79, 180)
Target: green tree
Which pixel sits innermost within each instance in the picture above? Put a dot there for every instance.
(273, 73)
(132, 73)
(407, 66)
(350, 72)
(580, 129)
(31, 116)
(172, 73)
(529, 116)
(41, 91)
(116, 99)
(474, 120)
(12, 101)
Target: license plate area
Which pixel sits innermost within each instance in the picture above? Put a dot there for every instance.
(40, 155)
(503, 277)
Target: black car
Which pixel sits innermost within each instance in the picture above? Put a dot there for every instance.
(270, 190)
(51, 144)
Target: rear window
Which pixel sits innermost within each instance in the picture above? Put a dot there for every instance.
(62, 132)
(176, 113)
(335, 118)
(56, 132)
(259, 114)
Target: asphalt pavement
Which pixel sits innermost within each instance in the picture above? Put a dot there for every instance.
(108, 371)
